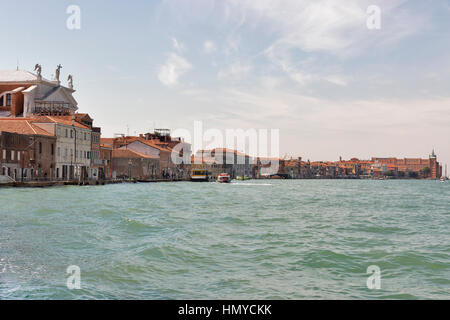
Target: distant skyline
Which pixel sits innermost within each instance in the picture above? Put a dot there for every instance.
(309, 68)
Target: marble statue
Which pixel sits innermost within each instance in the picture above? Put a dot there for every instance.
(38, 68)
(58, 71)
(70, 81)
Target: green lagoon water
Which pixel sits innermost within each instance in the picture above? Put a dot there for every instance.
(291, 239)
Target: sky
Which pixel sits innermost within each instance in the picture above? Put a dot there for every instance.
(312, 69)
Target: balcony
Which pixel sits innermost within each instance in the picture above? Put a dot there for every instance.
(45, 108)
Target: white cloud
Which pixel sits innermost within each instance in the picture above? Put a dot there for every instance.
(331, 26)
(270, 82)
(337, 80)
(209, 47)
(172, 70)
(320, 29)
(236, 70)
(177, 45)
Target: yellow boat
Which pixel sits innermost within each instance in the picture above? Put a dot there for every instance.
(200, 175)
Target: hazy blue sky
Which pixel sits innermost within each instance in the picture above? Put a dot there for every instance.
(310, 68)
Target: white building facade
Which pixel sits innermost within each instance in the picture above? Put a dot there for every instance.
(73, 147)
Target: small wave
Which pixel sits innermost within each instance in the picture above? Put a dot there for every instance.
(138, 225)
(250, 184)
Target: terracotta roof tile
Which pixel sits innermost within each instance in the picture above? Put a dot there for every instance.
(22, 126)
(65, 120)
(130, 154)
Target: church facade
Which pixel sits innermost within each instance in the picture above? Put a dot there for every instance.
(38, 105)
(23, 94)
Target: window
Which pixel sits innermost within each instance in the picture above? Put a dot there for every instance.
(18, 155)
(85, 136)
(58, 150)
(40, 147)
(4, 154)
(67, 133)
(12, 154)
(71, 134)
(65, 152)
(53, 149)
(8, 99)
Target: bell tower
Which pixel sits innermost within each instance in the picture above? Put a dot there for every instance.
(434, 166)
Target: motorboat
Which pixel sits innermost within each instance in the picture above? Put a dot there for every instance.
(224, 178)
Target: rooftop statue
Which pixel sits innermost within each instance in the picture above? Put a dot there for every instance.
(70, 81)
(58, 70)
(38, 68)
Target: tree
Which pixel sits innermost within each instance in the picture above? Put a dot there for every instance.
(389, 173)
(413, 174)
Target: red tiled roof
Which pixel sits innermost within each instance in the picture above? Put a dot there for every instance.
(159, 146)
(130, 139)
(130, 154)
(107, 141)
(197, 159)
(22, 126)
(225, 150)
(104, 146)
(66, 120)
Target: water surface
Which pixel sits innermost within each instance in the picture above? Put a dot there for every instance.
(290, 239)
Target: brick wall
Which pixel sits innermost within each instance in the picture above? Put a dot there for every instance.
(17, 98)
(141, 168)
(35, 153)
